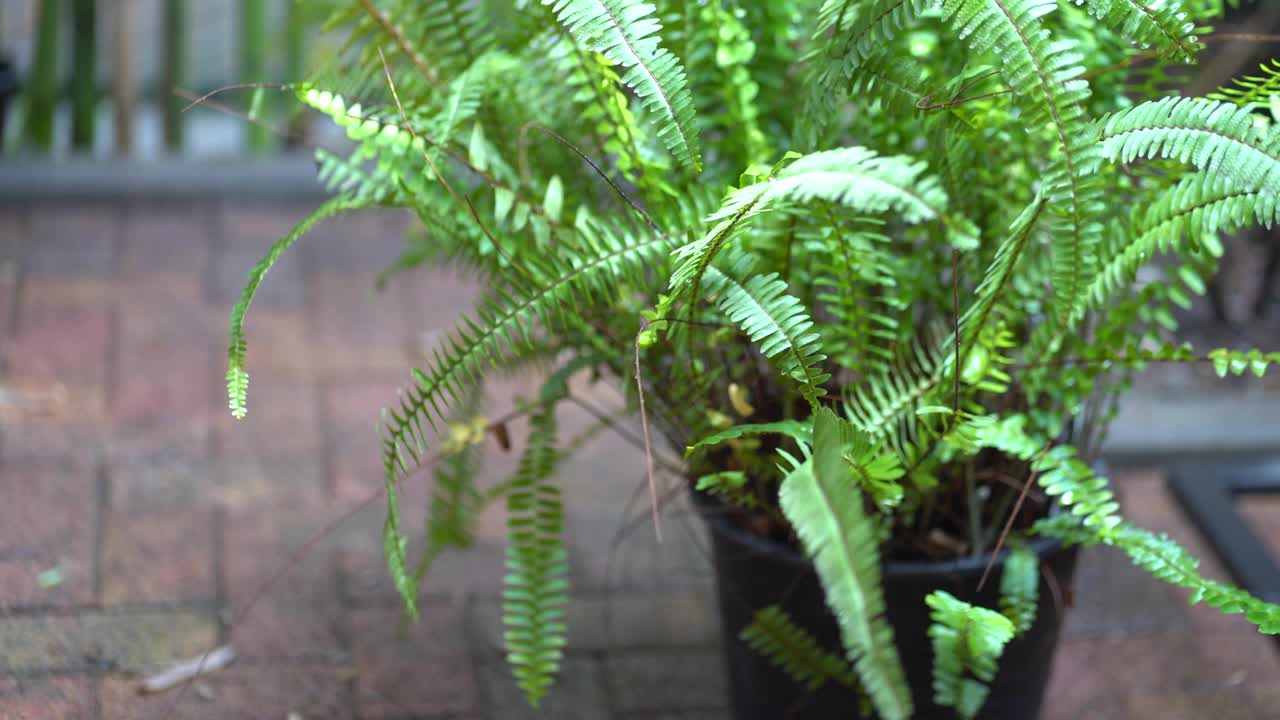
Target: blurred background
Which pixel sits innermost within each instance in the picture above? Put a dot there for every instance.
(139, 523)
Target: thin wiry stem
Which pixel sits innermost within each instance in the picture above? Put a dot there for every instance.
(644, 426)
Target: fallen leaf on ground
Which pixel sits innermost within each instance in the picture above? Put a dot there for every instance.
(215, 659)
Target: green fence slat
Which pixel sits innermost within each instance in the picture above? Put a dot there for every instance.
(84, 74)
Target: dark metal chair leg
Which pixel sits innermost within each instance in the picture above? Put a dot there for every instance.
(1263, 302)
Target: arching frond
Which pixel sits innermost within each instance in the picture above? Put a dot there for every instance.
(1161, 24)
(1044, 73)
(775, 321)
(237, 374)
(1219, 138)
(1094, 518)
(854, 177)
(508, 319)
(625, 31)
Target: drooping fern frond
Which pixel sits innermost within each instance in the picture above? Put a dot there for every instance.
(841, 540)
(967, 643)
(1020, 587)
(1219, 138)
(791, 648)
(535, 590)
(1093, 517)
(507, 319)
(625, 31)
(455, 499)
(1161, 24)
(1253, 89)
(1044, 73)
(775, 321)
(237, 375)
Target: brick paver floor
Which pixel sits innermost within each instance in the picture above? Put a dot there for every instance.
(137, 519)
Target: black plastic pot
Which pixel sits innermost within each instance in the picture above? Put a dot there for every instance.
(753, 573)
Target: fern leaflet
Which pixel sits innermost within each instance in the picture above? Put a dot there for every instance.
(1020, 587)
(791, 648)
(625, 31)
(967, 640)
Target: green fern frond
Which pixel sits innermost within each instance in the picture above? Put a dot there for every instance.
(853, 288)
(776, 322)
(535, 590)
(996, 280)
(1162, 24)
(1020, 587)
(1219, 138)
(507, 320)
(854, 177)
(237, 375)
(819, 501)
(1044, 74)
(1093, 517)
(800, 431)
(395, 550)
(884, 406)
(791, 648)
(625, 31)
(967, 640)
(455, 500)
(1253, 89)
(846, 35)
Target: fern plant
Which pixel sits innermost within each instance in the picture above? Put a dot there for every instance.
(864, 261)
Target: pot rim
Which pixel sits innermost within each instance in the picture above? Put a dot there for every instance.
(966, 566)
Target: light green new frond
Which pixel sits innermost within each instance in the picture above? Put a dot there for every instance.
(776, 322)
(791, 648)
(854, 177)
(535, 589)
(1045, 75)
(1219, 138)
(967, 644)
(1161, 24)
(625, 31)
(237, 375)
(1253, 89)
(1020, 587)
(822, 503)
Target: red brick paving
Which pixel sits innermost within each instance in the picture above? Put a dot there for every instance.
(121, 470)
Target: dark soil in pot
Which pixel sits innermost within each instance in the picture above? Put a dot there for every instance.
(753, 573)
